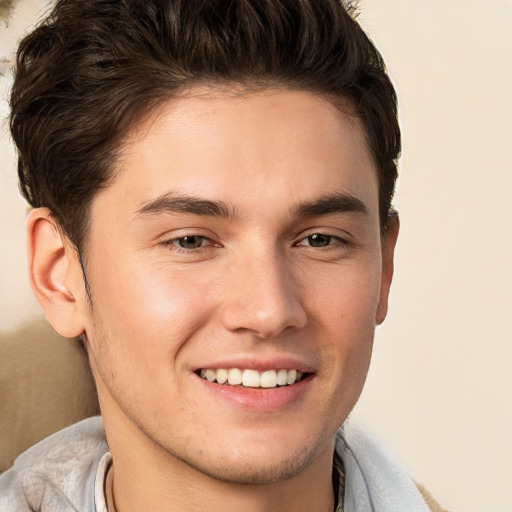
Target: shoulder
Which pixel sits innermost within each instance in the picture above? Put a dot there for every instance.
(58, 473)
(375, 479)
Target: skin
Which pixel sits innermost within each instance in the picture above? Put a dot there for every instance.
(254, 286)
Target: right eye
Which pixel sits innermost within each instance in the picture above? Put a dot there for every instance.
(318, 240)
(190, 242)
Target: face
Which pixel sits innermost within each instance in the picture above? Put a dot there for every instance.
(236, 269)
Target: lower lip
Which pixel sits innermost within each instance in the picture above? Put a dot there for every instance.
(259, 399)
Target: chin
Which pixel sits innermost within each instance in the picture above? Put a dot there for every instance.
(247, 471)
(270, 460)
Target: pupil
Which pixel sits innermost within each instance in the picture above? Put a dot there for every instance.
(190, 242)
(319, 240)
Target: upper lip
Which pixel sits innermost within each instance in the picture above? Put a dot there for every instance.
(247, 363)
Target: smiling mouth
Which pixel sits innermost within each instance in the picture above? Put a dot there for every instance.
(252, 378)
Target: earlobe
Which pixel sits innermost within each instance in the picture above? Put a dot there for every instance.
(52, 264)
(388, 254)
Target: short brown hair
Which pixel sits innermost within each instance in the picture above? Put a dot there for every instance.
(93, 68)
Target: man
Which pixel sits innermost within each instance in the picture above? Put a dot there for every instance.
(212, 186)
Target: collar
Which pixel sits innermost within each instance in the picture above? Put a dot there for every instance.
(338, 482)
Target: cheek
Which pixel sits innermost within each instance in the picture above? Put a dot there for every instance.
(147, 313)
(344, 312)
(139, 324)
(347, 298)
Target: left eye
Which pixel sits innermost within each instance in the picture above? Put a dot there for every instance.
(190, 242)
(319, 240)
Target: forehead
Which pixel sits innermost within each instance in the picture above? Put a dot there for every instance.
(268, 146)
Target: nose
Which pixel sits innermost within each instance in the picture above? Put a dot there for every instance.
(262, 297)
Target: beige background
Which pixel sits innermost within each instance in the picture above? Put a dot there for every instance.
(439, 392)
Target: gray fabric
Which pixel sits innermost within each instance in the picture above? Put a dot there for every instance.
(374, 480)
(58, 474)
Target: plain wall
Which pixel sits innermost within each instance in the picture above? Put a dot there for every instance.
(440, 386)
(439, 390)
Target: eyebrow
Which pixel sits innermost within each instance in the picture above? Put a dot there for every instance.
(334, 203)
(172, 202)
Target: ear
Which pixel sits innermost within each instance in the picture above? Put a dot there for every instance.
(55, 274)
(388, 254)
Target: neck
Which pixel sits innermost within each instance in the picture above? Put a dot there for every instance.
(158, 481)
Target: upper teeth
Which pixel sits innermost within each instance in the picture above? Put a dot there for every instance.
(252, 378)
